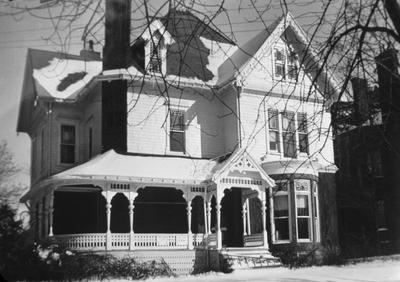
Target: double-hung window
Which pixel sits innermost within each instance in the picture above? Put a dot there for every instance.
(67, 145)
(286, 64)
(273, 127)
(303, 211)
(280, 71)
(288, 135)
(281, 211)
(177, 131)
(302, 132)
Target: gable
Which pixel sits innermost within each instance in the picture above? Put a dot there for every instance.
(289, 34)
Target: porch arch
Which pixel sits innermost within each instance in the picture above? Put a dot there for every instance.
(77, 212)
(119, 214)
(160, 210)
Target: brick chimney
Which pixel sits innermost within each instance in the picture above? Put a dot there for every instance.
(389, 90)
(360, 96)
(114, 93)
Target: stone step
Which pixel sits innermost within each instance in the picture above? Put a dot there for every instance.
(249, 257)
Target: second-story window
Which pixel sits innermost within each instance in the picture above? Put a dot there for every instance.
(302, 132)
(177, 131)
(273, 127)
(288, 135)
(67, 145)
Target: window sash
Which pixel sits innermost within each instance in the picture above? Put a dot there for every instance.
(177, 132)
(67, 144)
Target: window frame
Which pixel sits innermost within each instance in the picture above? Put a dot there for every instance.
(183, 131)
(304, 133)
(286, 64)
(277, 131)
(277, 193)
(315, 211)
(289, 131)
(310, 213)
(69, 122)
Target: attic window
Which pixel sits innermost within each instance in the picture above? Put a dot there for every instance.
(286, 64)
(156, 45)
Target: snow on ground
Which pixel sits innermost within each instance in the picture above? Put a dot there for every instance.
(381, 271)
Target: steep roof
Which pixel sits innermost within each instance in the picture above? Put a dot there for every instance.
(53, 75)
(243, 54)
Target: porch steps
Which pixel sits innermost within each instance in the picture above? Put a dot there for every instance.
(249, 257)
(181, 262)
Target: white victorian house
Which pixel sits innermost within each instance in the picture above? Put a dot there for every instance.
(181, 140)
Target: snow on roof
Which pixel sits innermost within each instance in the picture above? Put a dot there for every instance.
(111, 164)
(64, 78)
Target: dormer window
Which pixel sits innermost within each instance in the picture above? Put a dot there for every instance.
(156, 56)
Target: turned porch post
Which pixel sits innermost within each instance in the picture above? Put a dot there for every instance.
(108, 195)
(189, 219)
(244, 216)
(219, 234)
(131, 197)
(248, 216)
(209, 217)
(51, 212)
(205, 216)
(264, 220)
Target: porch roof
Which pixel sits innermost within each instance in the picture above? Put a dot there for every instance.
(112, 165)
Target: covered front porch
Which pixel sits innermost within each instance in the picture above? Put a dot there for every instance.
(201, 204)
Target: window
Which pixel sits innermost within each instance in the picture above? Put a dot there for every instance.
(273, 130)
(67, 147)
(286, 64)
(177, 131)
(302, 132)
(374, 163)
(288, 135)
(303, 212)
(90, 142)
(155, 63)
(281, 211)
(316, 212)
(302, 215)
(292, 66)
(280, 64)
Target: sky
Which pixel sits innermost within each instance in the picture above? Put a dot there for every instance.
(239, 20)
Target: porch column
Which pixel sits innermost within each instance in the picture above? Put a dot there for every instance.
(244, 219)
(108, 195)
(189, 219)
(209, 217)
(205, 216)
(219, 234)
(45, 221)
(264, 220)
(131, 197)
(40, 217)
(51, 212)
(248, 216)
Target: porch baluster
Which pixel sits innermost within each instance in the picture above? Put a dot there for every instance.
(189, 218)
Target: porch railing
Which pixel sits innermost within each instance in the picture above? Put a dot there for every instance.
(93, 241)
(253, 240)
(122, 241)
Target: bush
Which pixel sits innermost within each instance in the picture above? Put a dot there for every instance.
(20, 259)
